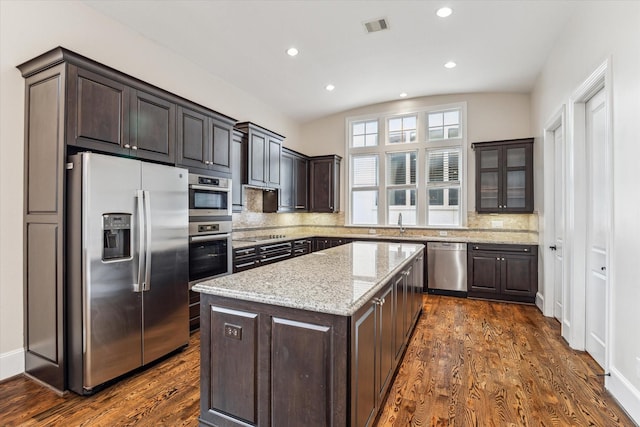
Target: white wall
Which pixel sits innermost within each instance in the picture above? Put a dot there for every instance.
(601, 31)
(490, 116)
(28, 29)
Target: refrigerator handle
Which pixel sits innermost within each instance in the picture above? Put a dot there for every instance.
(137, 287)
(147, 221)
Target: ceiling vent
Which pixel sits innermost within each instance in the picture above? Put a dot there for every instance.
(376, 25)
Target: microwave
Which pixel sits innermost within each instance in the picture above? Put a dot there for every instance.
(209, 196)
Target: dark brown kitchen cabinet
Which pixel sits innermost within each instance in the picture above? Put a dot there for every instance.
(504, 176)
(264, 149)
(293, 181)
(194, 310)
(75, 104)
(505, 272)
(321, 243)
(204, 141)
(107, 115)
(324, 183)
(238, 168)
(292, 362)
(372, 356)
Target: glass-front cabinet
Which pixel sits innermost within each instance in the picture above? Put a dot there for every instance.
(504, 176)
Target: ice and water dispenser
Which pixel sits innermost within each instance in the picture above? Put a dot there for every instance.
(116, 236)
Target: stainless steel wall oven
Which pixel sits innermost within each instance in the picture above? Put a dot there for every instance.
(209, 250)
(209, 196)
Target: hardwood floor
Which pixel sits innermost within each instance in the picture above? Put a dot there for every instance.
(479, 363)
(469, 363)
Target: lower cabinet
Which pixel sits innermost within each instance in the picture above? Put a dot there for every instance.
(503, 272)
(321, 243)
(272, 366)
(264, 365)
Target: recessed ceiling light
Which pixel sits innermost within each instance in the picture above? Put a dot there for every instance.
(403, 95)
(329, 87)
(292, 51)
(450, 64)
(443, 12)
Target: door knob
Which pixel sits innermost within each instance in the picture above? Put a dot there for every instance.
(603, 268)
(553, 247)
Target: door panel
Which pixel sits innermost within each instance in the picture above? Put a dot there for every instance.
(597, 231)
(113, 316)
(558, 221)
(166, 312)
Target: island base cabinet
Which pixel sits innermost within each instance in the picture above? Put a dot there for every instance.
(264, 365)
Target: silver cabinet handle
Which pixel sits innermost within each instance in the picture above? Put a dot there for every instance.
(137, 287)
(147, 221)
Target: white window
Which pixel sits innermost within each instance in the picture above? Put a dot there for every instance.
(401, 187)
(402, 130)
(364, 133)
(417, 171)
(443, 187)
(364, 185)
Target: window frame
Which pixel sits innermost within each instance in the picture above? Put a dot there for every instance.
(422, 146)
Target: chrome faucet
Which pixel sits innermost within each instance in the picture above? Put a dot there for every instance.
(400, 223)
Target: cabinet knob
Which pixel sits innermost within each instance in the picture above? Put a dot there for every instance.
(502, 259)
(127, 146)
(135, 147)
(498, 258)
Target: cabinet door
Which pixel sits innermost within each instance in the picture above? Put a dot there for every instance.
(518, 178)
(517, 272)
(273, 162)
(400, 305)
(221, 159)
(386, 354)
(238, 170)
(287, 183)
(153, 133)
(300, 181)
(322, 186)
(363, 385)
(98, 112)
(257, 152)
(488, 179)
(484, 272)
(193, 139)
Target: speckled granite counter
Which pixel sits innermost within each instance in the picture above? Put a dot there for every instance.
(334, 281)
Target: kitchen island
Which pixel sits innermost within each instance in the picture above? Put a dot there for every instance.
(313, 341)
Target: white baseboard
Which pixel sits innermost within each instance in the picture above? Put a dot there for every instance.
(625, 393)
(11, 363)
(540, 302)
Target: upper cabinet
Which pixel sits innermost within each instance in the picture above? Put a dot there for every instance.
(204, 140)
(107, 115)
(264, 151)
(504, 176)
(293, 181)
(239, 169)
(324, 186)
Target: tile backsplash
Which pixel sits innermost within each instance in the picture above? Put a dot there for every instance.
(500, 227)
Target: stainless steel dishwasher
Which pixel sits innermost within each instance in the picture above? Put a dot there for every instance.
(447, 268)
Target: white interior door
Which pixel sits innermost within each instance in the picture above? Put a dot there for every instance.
(597, 227)
(558, 219)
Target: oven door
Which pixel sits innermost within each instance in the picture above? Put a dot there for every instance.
(209, 201)
(209, 256)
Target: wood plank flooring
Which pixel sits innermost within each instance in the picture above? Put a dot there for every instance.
(479, 363)
(469, 363)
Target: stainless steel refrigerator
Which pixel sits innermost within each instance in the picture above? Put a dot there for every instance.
(127, 266)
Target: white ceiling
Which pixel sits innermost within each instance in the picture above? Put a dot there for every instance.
(499, 46)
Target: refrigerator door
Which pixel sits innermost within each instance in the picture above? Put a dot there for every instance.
(165, 299)
(112, 310)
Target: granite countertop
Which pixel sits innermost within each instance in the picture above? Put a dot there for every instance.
(337, 281)
(247, 242)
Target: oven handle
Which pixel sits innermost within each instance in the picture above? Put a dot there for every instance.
(209, 238)
(204, 187)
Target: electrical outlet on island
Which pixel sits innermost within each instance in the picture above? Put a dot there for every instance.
(443, 233)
